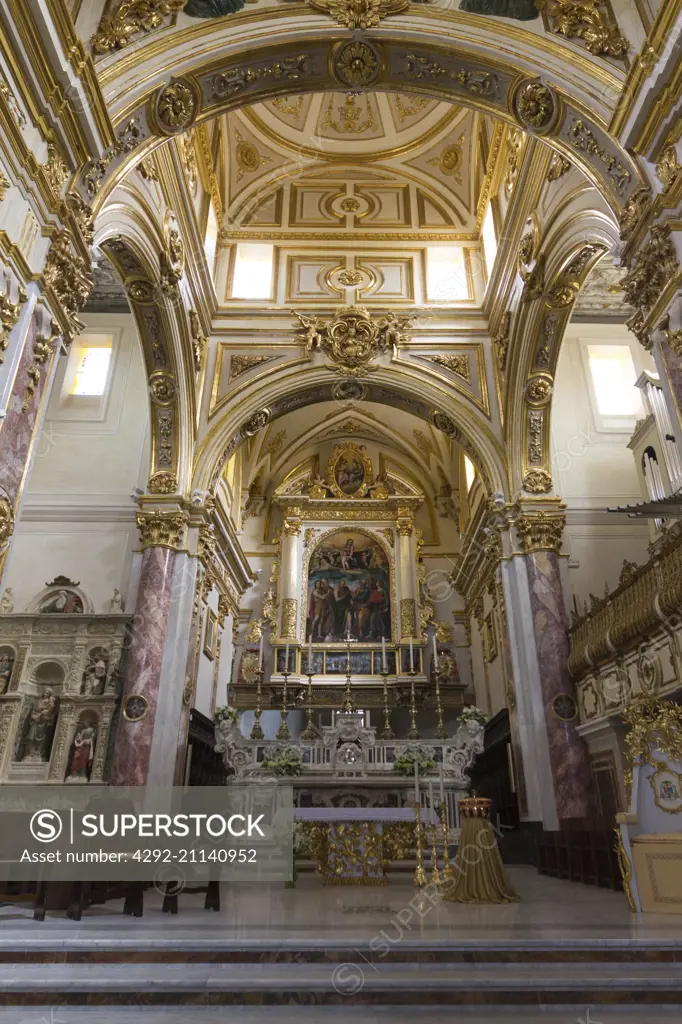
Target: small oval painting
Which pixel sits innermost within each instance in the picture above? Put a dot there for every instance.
(349, 473)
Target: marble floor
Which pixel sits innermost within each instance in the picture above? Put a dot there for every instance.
(552, 912)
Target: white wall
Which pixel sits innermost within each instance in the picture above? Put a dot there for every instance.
(77, 517)
(592, 466)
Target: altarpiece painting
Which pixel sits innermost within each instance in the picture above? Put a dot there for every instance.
(349, 589)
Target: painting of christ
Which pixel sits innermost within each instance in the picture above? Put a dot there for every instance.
(348, 590)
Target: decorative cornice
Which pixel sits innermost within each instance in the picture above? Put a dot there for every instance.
(66, 275)
(162, 529)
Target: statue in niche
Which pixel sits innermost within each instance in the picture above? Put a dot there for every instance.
(212, 8)
(7, 602)
(6, 666)
(520, 10)
(95, 672)
(116, 604)
(40, 728)
(82, 754)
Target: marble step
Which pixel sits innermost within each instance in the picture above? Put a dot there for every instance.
(348, 983)
(619, 1014)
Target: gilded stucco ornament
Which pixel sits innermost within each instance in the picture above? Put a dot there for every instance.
(163, 483)
(633, 211)
(537, 481)
(162, 389)
(125, 20)
(9, 315)
(55, 171)
(356, 64)
(6, 519)
(359, 13)
(5, 184)
(82, 215)
(442, 422)
(533, 280)
(352, 339)
(539, 390)
(668, 168)
(583, 138)
(176, 106)
(458, 363)
(587, 20)
(164, 529)
(66, 274)
(256, 422)
(527, 248)
(558, 167)
(540, 531)
(536, 107)
(41, 353)
(128, 138)
(655, 265)
(500, 340)
(199, 340)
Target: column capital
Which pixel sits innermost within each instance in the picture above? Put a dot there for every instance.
(540, 528)
(404, 522)
(162, 528)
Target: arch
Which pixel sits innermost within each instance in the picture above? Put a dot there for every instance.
(572, 248)
(262, 402)
(446, 55)
(134, 244)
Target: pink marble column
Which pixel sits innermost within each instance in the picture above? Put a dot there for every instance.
(132, 752)
(19, 428)
(567, 750)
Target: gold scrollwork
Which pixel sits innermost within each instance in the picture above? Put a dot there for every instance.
(359, 13)
(118, 27)
(585, 19)
(289, 618)
(408, 618)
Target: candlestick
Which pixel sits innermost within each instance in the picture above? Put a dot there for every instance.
(435, 873)
(256, 730)
(420, 878)
(432, 816)
(413, 733)
(447, 875)
(441, 731)
(442, 785)
(387, 732)
(435, 652)
(309, 731)
(411, 656)
(310, 653)
(383, 654)
(283, 731)
(260, 653)
(286, 657)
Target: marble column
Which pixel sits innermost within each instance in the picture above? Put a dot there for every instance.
(290, 575)
(539, 534)
(406, 575)
(162, 533)
(24, 397)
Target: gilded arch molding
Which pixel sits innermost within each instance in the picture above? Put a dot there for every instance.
(285, 391)
(378, 60)
(170, 416)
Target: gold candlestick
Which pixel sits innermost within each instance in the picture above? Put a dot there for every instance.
(420, 878)
(447, 875)
(309, 731)
(387, 732)
(435, 873)
(283, 731)
(257, 731)
(413, 734)
(441, 731)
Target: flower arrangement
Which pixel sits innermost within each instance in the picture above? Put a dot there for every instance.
(405, 762)
(225, 713)
(283, 762)
(471, 715)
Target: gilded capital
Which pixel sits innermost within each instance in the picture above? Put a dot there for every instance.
(404, 522)
(540, 531)
(162, 529)
(292, 522)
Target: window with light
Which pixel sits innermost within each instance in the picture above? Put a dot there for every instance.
(469, 472)
(446, 276)
(613, 378)
(489, 237)
(253, 271)
(92, 370)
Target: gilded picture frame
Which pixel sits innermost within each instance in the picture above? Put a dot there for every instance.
(349, 471)
(210, 634)
(490, 637)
